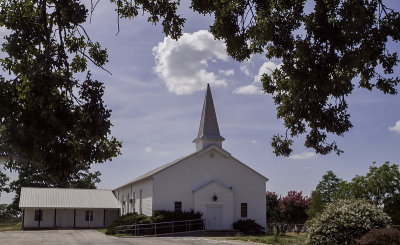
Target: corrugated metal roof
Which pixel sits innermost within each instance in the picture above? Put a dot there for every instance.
(32, 197)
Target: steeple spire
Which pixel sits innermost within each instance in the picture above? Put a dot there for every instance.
(208, 130)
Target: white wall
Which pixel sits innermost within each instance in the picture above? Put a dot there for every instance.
(98, 218)
(47, 218)
(146, 186)
(177, 182)
(65, 218)
(111, 215)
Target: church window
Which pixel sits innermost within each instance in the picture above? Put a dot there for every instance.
(134, 202)
(140, 202)
(89, 215)
(38, 215)
(178, 206)
(243, 210)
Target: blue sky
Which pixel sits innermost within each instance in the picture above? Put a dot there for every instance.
(156, 94)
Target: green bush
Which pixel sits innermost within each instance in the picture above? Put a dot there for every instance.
(380, 237)
(128, 219)
(248, 226)
(168, 216)
(158, 216)
(344, 221)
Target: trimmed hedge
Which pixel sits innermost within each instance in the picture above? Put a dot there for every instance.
(248, 226)
(380, 237)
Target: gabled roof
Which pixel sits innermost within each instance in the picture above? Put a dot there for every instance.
(154, 171)
(32, 197)
(208, 128)
(165, 166)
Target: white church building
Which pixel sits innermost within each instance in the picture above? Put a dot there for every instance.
(210, 180)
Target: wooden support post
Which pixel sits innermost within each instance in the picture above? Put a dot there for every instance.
(74, 217)
(23, 217)
(40, 217)
(104, 218)
(55, 217)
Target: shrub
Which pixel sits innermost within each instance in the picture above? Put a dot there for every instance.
(380, 237)
(344, 221)
(128, 219)
(158, 216)
(248, 226)
(168, 216)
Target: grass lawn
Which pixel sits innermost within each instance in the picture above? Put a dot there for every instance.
(289, 238)
(10, 226)
(102, 230)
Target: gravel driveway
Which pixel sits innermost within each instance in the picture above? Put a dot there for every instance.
(92, 237)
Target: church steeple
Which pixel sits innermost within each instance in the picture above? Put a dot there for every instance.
(208, 130)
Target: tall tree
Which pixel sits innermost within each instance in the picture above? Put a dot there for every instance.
(47, 115)
(273, 208)
(3, 182)
(381, 185)
(31, 174)
(324, 193)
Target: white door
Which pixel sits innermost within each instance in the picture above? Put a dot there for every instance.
(214, 218)
(65, 218)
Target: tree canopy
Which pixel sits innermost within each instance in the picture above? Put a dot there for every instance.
(380, 186)
(51, 117)
(324, 193)
(325, 52)
(47, 115)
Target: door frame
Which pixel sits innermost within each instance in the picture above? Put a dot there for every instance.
(213, 205)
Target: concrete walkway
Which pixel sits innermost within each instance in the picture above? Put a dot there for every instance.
(93, 237)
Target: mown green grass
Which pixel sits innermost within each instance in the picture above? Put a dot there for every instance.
(288, 239)
(102, 230)
(10, 226)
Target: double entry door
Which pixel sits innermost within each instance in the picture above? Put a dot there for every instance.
(214, 218)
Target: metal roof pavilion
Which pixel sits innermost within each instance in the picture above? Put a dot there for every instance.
(32, 197)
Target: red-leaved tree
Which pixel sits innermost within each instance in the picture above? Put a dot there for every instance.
(293, 207)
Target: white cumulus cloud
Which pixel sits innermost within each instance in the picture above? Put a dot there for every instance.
(244, 67)
(183, 64)
(248, 89)
(255, 87)
(268, 67)
(148, 149)
(396, 127)
(227, 72)
(303, 155)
